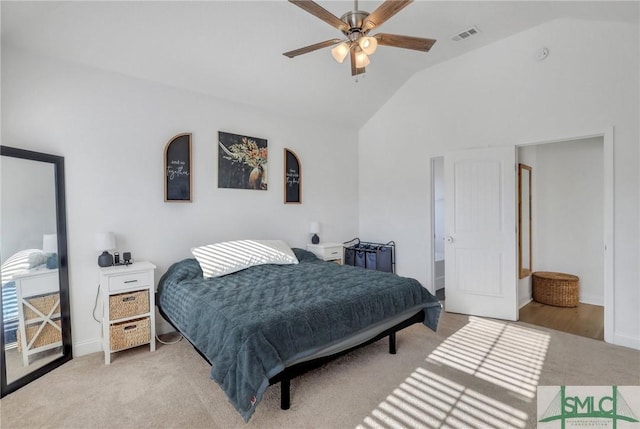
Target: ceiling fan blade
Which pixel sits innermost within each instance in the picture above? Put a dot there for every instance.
(355, 70)
(385, 11)
(320, 12)
(311, 48)
(407, 42)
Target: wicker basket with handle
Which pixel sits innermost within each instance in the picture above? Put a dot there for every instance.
(130, 334)
(559, 289)
(128, 304)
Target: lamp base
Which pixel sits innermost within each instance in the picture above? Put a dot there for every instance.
(315, 239)
(105, 259)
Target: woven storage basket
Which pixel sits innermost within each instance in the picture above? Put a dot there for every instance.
(44, 304)
(562, 290)
(130, 334)
(128, 304)
(48, 335)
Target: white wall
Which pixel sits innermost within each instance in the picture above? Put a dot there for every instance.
(569, 216)
(112, 131)
(501, 95)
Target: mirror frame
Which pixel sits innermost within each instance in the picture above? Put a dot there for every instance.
(65, 310)
(524, 213)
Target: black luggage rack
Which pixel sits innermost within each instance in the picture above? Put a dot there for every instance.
(373, 256)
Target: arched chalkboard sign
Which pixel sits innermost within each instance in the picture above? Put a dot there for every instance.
(292, 178)
(177, 169)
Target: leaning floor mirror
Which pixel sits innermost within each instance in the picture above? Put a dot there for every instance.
(34, 306)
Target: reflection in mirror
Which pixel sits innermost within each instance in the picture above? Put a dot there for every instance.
(524, 220)
(33, 271)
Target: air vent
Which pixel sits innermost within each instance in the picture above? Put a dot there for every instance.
(469, 32)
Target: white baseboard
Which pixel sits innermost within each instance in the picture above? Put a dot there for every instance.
(626, 341)
(87, 347)
(524, 302)
(592, 299)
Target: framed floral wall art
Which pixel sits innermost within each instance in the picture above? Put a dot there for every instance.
(242, 162)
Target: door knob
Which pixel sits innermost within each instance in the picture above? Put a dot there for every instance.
(449, 239)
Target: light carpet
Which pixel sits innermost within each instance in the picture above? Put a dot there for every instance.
(473, 372)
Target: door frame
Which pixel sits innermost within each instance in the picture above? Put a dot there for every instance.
(432, 285)
(607, 134)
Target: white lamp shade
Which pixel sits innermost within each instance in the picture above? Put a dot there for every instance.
(362, 60)
(50, 243)
(340, 52)
(368, 44)
(314, 227)
(105, 241)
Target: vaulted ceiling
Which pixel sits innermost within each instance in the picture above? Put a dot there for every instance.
(233, 49)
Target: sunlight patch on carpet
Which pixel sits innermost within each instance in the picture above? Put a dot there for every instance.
(498, 352)
(428, 400)
(501, 353)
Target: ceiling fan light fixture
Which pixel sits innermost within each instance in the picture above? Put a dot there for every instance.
(362, 60)
(368, 44)
(355, 25)
(340, 52)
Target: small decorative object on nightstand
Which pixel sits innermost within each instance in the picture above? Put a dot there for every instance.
(128, 307)
(327, 251)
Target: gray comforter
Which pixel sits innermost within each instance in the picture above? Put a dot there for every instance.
(252, 323)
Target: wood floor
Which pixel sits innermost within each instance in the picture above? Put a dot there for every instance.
(585, 320)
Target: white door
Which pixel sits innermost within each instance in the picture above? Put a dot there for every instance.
(480, 233)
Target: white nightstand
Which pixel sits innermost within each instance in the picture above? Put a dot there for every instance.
(327, 251)
(128, 307)
(38, 294)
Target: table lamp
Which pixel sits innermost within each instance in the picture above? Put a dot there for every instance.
(50, 248)
(314, 228)
(105, 241)
(50, 243)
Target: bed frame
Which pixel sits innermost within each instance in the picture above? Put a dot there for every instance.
(289, 373)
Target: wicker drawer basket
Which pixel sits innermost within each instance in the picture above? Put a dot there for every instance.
(44, 304)
(562, 290)
(128, 304)
(48, 335)
(130, 334)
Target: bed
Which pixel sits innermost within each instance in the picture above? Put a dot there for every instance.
(268, 323)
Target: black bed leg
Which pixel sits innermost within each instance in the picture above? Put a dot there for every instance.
(392, 343)
(285, 394)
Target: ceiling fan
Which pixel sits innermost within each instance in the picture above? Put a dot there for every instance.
(356, 25)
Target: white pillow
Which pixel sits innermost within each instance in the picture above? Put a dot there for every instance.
(230, 256)
(37, 257)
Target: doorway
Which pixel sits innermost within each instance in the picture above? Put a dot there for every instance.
(568, 224)
(602, 235)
